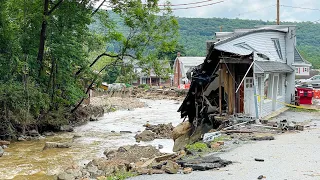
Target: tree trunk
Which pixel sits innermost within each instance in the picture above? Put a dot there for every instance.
(43, 35)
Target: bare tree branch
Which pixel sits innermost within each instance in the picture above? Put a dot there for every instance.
(55, 7)
(100, 56)
(95, 11)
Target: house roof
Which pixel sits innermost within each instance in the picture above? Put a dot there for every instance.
(298, 59)
(189, 62)
(237, 35)
(272, 66)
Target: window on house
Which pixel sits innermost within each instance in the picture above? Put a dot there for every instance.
(297, 70)
(276, 44)
(144, 81)
(280, 84)
(245, 46)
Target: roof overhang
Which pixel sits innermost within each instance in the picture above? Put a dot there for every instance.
(272, 67)
(302, 64)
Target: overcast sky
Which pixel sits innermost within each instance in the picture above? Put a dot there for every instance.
(251, 9)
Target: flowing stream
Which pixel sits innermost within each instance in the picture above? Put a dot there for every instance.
(27, 160)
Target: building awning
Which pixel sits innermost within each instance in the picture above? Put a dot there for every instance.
(272, 67)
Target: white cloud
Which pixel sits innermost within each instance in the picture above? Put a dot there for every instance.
(250, 9)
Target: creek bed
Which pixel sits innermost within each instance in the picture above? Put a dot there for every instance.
(27, 160)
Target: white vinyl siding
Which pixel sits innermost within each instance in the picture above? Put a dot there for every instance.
(260, 42)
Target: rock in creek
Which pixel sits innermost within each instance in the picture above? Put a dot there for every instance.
(50, 145)
(160, 131)
(66, 128)
(33, 133)
(146, 135)
(133, 153)
(1, 151)
(4, 143)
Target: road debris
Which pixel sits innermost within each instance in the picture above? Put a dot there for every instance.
(260, 160)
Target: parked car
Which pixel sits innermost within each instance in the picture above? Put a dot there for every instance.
(314, 80)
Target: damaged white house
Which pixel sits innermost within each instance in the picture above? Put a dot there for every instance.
(248, 71)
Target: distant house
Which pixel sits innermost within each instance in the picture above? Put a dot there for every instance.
(302, 67)
(181, 66)
(257, 68)
(149, 79)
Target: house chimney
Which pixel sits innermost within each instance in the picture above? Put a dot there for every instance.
(178, 54)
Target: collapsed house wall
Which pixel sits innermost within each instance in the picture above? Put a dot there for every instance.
(204, 94)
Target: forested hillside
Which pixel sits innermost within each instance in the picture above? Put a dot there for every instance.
(49, 58)
(194, 32)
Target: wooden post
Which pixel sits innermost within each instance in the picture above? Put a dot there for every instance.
(220, 88)
(278, 12)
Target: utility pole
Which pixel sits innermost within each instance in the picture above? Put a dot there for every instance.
(220, 28)
(278, 12)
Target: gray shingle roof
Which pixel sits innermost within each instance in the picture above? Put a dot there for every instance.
(273, 66)
(298, 58)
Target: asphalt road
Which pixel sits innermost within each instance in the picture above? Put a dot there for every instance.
(292, 156)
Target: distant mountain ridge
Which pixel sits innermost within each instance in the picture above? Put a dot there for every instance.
(194, 32)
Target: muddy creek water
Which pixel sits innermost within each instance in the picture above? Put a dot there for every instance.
(27, 160)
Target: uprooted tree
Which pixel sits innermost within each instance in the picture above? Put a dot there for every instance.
(48, 53)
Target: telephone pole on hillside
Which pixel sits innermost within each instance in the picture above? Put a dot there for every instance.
(278, 12)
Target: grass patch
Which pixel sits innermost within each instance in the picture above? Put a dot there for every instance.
(303, 110)
(197, 146)
(119, 176)
(221, 138)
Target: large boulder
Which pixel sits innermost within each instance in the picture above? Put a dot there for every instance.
(181, 129)
(185, 139)
(162, 131)
(146, 135)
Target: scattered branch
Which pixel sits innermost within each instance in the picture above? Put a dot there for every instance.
(55, 7)
(95, 11)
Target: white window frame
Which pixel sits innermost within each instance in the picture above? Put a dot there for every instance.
(277, 46)
(143, 80)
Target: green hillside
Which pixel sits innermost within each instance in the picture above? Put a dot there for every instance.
(194, 32)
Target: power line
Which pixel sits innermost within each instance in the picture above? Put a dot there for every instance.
(295, 7)
(192, 7)
(185, 3)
